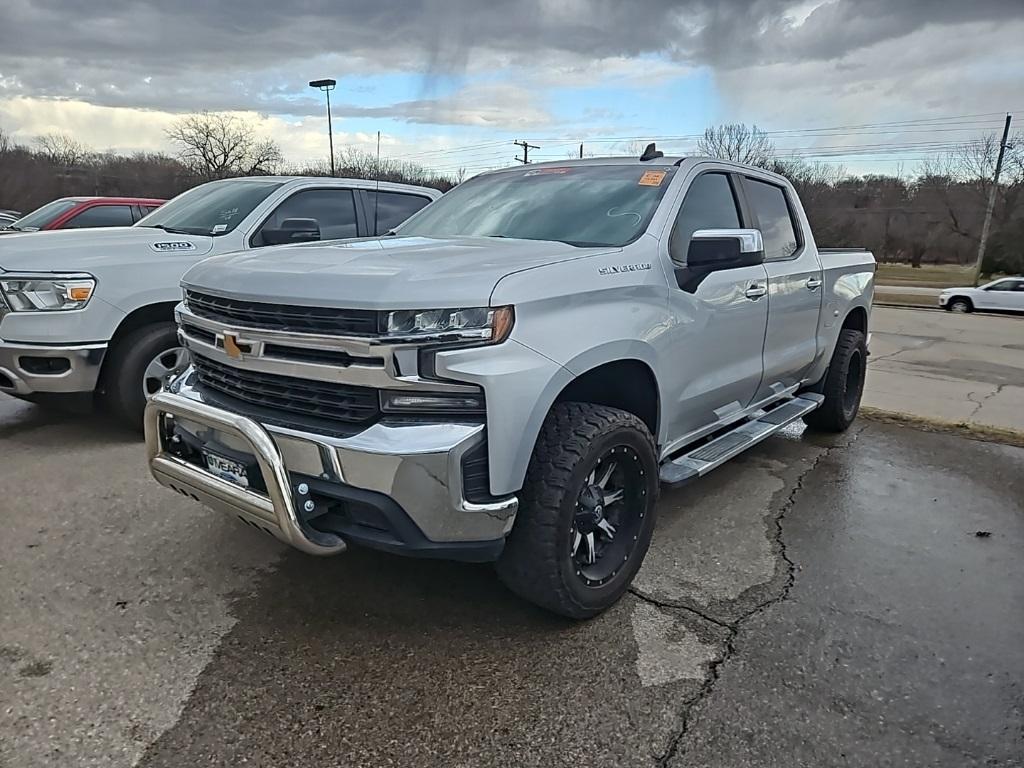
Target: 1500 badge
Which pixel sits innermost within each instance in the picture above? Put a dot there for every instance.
(174, 245)
(620, 268)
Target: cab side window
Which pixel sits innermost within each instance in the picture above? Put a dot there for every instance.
(102, 216)
(709, 204)
(773, 219)
(333, 209)
(391, 208)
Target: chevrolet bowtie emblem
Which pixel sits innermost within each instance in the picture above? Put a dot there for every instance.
(231, 346)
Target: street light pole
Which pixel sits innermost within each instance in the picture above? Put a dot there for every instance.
(327, 85)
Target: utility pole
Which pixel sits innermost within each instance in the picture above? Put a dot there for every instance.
(526, 151)
(581, 150)
(991, 200)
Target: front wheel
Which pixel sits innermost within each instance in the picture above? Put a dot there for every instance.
(844, 384)
(138, 366)
(587, 512)
(960, 306)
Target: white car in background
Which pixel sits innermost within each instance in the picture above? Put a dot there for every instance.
(1003, 295)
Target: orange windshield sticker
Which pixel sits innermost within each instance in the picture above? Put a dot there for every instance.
(652, 178)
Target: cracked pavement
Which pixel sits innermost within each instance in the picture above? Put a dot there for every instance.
(819, 601)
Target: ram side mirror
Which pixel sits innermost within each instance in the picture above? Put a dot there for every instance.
(292, 231)
(714, 249)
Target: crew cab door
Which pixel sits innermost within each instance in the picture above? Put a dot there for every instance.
(332, 208)
(719, 318)
(794, 286)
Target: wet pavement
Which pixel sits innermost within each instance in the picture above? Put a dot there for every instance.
(820, 601)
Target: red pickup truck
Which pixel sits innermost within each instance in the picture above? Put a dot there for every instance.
(85, 212)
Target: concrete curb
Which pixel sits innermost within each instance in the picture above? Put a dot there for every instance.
(970, 430)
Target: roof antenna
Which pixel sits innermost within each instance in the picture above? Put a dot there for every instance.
(651, 153)
(376, 193)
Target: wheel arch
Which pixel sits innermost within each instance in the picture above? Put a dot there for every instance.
(628, 384)
(959, 297)
(162, 311)
(857, 320)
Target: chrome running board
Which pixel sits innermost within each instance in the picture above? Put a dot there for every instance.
(707, 456)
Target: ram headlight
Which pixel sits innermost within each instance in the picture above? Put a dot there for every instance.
(47, 294)
(488, 325)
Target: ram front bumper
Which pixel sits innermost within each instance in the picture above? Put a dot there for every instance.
(28, 369)
(396, 487)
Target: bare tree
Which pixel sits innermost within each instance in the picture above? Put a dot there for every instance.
(960, 181)
(735, 141)
(216, 145)
(62, 149)
(6, 144)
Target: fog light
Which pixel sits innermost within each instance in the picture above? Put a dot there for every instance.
(432, 402)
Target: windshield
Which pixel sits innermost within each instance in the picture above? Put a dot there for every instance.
(583, 205)
(40, 217)
(210, 209)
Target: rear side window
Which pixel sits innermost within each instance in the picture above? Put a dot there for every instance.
(709, 204)
(773, 219)
(392, 208)
(102, 216)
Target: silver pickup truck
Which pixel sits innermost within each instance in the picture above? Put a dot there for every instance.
(512, 374)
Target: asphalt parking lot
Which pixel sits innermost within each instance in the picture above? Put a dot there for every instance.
(853, 600)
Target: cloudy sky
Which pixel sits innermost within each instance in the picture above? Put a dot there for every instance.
(450, 83)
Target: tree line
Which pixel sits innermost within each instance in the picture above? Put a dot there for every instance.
(933, 215)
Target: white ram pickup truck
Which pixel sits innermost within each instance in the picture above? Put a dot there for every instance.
(92, 310)
(514, 372)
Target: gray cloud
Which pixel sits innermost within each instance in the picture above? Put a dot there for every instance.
(239, 54)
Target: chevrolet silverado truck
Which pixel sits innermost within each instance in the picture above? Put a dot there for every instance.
(92, 310)
(512, 374)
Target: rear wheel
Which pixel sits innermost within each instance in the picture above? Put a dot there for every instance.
(587, 513)
(138, 366)
(843, 385)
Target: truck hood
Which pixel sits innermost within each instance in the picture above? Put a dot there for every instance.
(79, 250)
(385, 273)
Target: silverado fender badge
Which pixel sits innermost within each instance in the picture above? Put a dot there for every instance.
(173, 245)
(618, 269)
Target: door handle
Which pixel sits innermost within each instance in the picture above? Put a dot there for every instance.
(755, 292)
(813, 283)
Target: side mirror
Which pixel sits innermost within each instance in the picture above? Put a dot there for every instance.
(292, 231)
(714, 249)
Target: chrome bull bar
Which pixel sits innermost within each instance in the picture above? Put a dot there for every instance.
(275, 512)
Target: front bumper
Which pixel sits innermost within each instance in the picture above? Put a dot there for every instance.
(27, 369)
(396, 487)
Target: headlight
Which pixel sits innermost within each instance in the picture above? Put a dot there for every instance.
(47, 294)
(489, 325)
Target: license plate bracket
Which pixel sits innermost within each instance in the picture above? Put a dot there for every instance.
(235, 472)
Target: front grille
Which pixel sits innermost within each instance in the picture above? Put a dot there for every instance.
(283, 317)
(338, 403)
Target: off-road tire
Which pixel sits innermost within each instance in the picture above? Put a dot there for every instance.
(536, 563)
(843, 385)
(122, 393)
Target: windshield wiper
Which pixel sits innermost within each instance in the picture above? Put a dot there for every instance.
(170, 230)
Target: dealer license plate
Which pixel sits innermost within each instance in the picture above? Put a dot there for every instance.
(226, 469)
